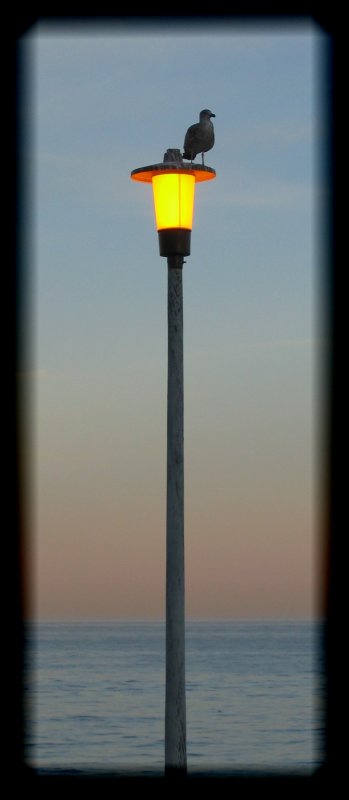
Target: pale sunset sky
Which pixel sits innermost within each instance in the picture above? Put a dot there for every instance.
(102, 100)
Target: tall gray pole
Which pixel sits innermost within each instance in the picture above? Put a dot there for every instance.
(175, 710)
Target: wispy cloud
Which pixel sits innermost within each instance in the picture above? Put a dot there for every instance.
(101, 180)
(249, 345)
(262, 194)
(281, 133)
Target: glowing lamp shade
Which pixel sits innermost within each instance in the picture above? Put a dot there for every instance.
(173, 200)
(173, 191)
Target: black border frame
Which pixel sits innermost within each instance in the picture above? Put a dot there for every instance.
(333, 769)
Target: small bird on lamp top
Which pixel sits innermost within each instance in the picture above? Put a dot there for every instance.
(199, 138)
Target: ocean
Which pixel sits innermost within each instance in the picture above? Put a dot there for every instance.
(95, 692)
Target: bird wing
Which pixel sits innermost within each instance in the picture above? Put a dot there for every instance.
(191, 137)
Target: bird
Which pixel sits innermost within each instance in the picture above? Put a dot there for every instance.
(199, 138)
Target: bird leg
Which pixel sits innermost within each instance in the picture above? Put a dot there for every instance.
(202, 156)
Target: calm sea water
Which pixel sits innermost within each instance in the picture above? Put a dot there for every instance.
(95, 695)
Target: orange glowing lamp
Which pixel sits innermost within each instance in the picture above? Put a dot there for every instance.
(174, 193)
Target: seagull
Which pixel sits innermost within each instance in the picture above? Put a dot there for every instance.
(199, 138)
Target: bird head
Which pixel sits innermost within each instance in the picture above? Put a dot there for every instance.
(206, 114)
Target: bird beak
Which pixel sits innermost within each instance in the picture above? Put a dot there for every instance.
(212, 115)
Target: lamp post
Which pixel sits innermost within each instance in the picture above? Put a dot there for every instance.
(174, 189)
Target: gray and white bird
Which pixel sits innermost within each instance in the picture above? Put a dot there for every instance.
(199, 138)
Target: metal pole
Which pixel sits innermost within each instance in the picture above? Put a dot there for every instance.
(175, 710)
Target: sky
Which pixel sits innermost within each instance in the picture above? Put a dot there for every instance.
(102, 100)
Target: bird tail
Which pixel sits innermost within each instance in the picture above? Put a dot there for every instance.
(187, 155)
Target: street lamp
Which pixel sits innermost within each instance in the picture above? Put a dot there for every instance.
(174, 190)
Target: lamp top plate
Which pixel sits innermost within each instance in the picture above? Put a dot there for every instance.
(200, 172)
